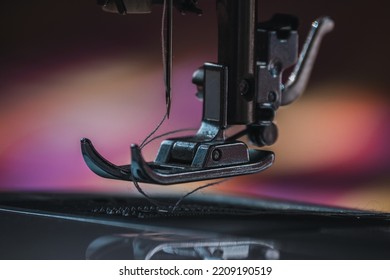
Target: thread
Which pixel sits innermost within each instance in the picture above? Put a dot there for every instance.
(195, 190)
(166, 42)
(166, 56)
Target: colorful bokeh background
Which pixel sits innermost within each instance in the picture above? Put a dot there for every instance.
(69, 70)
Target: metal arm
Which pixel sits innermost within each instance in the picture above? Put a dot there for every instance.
(299, 78)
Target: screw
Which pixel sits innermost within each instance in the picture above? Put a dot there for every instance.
(216, 155)
(272, 96)
(244, 87)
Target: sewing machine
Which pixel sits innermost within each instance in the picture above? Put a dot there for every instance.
(250, 224)
(244, 88)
